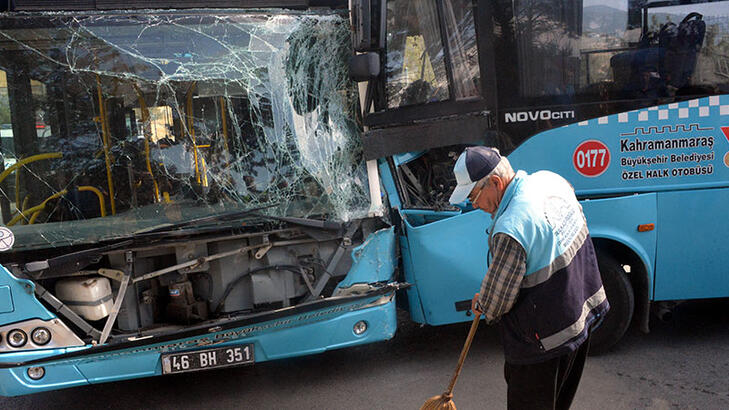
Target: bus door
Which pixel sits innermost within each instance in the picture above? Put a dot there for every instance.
(435, 94)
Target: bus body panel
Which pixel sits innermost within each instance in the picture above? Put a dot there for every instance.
(617, 219)
(448, 254)
(17, 300)
(681, 152)
(692, 260)
(415, 306)
(667, 147)
(328, 329)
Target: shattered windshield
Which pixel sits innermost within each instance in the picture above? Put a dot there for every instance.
(113, 123)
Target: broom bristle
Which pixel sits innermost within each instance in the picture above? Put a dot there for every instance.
(440, 402)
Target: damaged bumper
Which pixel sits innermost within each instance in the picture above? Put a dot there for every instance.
(302, 330)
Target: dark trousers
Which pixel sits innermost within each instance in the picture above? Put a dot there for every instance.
(548, 385)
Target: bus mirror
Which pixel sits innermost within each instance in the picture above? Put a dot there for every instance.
(364, 67)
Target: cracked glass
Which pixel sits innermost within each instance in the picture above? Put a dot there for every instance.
(116, 123)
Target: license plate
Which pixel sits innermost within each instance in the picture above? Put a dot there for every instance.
(207, 359)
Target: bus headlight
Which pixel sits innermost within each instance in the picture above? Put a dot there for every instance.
(360, 327)
(37, 334)
(17, 338)
(36, 373)
(41, 336)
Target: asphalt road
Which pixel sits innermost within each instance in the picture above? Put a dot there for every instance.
(679, 365)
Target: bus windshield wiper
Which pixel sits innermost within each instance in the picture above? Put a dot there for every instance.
(310, 223)
(223, 216)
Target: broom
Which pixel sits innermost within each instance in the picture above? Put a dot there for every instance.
(445, 400)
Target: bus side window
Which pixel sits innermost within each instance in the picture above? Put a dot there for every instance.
(419, 64)
(415, 67)
(596, 53)
(695, 40)
(462, 47)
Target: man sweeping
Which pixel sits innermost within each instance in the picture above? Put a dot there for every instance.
(542, 285)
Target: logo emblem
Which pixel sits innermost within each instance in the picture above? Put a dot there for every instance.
(591, 158)
(7, 239)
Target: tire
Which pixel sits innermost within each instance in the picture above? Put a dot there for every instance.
(620, 295)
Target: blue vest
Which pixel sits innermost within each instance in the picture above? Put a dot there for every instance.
(561, 294)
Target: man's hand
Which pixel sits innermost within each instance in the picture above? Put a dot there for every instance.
(475, 305)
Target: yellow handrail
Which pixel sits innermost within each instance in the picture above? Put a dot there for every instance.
(105, 139)
(17, 189)
(28, 160)
(147, 137)
(24, 207)
(33, 218)
(205, 172)
(35, 211)
(191, 129)
(17, 181)
(102, 204)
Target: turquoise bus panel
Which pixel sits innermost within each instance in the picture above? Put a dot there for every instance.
(58, 376)
(404, 158)
(415, 306)
(295, 335)
(6, 300)
(692, 258)
(23, 304)
(388, 183)
(448, 259)
(374, 260)
(618, 218)
(681, 145)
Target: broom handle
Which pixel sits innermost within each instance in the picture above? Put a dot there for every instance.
(464, 352)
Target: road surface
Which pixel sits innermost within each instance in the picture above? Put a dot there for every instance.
(683, 364)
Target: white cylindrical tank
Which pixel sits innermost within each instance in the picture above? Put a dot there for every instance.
(90, 297)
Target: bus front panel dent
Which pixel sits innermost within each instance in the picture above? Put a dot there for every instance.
(24, 305)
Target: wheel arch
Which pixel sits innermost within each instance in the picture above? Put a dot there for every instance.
(639, 276)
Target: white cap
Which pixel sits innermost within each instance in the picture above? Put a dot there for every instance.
(473, 164)
(464, 183)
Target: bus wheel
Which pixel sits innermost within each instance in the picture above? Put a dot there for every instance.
(622, 302)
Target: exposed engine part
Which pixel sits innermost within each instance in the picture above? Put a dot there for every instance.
(183, 308)
(262, 286)
(129, 258)
(193, 252)
(336, 258)
(66, 312)
(172, 283)
(89, 297)
(133, 313)
(428, 180)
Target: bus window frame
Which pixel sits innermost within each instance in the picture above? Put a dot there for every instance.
(384, 116)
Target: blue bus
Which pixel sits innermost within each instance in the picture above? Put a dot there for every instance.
(217, 184)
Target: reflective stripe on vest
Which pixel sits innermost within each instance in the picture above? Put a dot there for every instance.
(559, 338)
